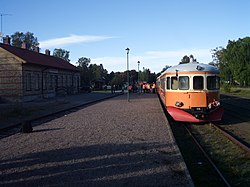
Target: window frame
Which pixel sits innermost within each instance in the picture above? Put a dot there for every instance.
(186, 83)
(203, 84)
(216, 84)
(176, 83)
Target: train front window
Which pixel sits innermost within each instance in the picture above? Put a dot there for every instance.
(213, 83)
(183, 82)
(198, 83)
(174, 83)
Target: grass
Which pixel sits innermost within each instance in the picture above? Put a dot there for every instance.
(236, 91)
(199, 168)
(232, 161)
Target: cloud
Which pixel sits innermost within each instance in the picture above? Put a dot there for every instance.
(72, 39)
(154, 60)
(179, 53)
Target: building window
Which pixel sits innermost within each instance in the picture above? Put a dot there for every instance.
(44, 79)
(28, 82)
(61, 82)
(198, 82)
(69, 81)
(51, 82)
(37, 81)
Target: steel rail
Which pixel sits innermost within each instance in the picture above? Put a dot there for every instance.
(207, 157)
(231, 138)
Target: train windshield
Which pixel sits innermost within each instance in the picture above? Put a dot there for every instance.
(183, 82)
(198, 83)
(213, 83)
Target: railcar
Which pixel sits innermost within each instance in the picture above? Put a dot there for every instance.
(190, 92)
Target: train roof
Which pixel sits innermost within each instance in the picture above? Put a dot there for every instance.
(192, 67)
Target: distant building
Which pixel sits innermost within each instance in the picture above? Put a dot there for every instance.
(27, 75)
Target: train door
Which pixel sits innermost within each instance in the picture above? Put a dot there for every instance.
(184, 87)
(198, 98)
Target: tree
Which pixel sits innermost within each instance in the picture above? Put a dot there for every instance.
(185, 60)
(145, 74)
(61, 53)
(83, 64)
(118, 79)
(165, 68)
(234, 61)
(28, 38)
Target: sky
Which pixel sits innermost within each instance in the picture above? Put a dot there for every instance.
(157, 32)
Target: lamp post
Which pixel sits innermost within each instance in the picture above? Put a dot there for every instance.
(139, 86)
(127, 73)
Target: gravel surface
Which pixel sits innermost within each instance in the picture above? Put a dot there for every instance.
(112, 143)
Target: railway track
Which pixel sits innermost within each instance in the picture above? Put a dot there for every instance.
(229, 159)
(232, 138)
(236, 120)
(221, 175)
(218, 153)
(230, 156)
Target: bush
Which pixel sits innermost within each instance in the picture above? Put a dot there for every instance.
(227, 88)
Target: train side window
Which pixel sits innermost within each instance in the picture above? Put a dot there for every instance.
(163, 83)
(174, 83)
(213, 83)
(168, 83)
(198, 83)
(183, 82)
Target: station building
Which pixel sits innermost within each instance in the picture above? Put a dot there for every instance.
(27, 75)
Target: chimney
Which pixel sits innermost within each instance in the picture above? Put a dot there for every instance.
(37, 49)
(24, 45)
(47, 52)
(6, 40)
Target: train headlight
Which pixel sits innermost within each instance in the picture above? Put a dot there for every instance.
(179, 104)
(209, 106)
(213, 104)
(218, 103)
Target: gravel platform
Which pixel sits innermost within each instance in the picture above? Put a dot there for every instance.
(112, 143)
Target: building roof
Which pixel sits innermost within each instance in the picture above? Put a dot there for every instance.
(37, 58)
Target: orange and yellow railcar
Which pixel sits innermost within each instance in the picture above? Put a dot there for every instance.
(190, 92)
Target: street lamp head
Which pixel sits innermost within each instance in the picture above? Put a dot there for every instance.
(127, 50)
(138, 62)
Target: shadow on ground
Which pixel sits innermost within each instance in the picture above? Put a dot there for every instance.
(97, 165)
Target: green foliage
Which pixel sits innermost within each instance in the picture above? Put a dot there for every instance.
(61, 53)
(234, 61)
(186, 59)
(226, 88)
(144, 75)
(91, 72)
(83, 64)
(165, 68)
(118, 79)
(19, 37)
